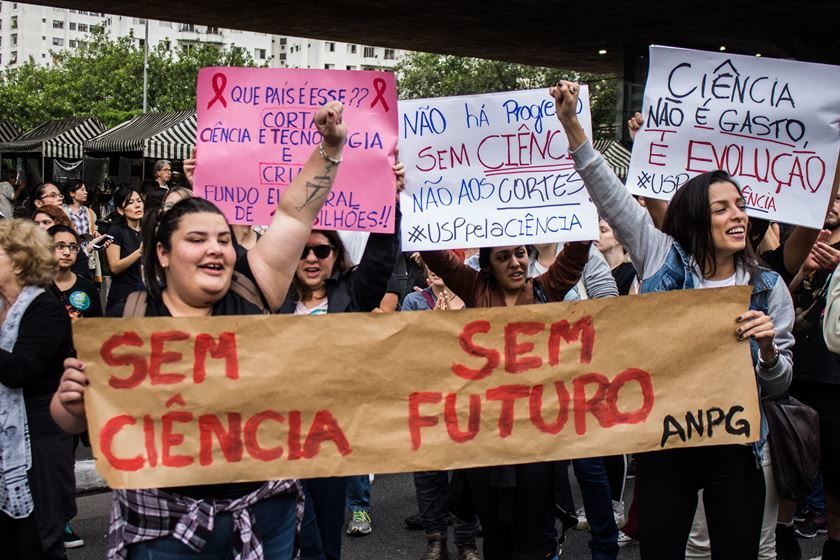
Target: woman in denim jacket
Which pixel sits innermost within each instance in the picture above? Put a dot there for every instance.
(703, 243)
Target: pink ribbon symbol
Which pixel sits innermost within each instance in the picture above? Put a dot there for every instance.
(379, 86)
(219, 83)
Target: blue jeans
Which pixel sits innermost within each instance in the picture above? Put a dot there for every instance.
(274, 523)
(323, 518)
(816, 499)
(597, 502)
(358, 493)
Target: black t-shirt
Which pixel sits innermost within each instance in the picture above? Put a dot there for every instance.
(81, 300)
(128, 280)
(44, 340)
(231, 304)
(624, 274)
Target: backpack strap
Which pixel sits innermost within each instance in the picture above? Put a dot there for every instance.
(429, 299)
(136, 302)
(135, 305)
(245, 288)
(91, 220)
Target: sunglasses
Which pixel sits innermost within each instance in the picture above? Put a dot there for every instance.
(321, 251)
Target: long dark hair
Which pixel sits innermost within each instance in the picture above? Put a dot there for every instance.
(689, 221)
(342, 263)
(159, 229)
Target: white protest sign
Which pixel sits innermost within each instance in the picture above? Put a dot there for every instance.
(773, 125)
(491, 170)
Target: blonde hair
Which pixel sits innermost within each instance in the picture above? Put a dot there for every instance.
(30, 249)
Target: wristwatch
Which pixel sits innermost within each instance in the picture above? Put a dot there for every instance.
(771, 363)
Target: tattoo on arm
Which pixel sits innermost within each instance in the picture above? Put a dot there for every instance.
(317, 188)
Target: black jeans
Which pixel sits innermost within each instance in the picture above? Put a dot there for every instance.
(517, 533)
(431, 488)
(323, 518)
(733, 484)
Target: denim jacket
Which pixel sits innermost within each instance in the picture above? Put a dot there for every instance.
(663, 265)
(677, 274)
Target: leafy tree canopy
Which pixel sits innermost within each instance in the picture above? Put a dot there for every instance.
(103, 78)
(433, 75)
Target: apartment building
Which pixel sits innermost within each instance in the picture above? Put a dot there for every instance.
(31, 31)
(297, 52)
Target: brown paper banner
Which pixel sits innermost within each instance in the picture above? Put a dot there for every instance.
(193, 401)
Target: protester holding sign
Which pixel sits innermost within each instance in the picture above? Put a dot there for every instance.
(326, 282)
(35, 338)
(703, 244)
(512, 502)
(191, 270)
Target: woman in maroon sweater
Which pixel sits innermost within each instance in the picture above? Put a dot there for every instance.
(512, 501)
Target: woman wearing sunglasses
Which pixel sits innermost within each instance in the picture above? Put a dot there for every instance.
(325, 282)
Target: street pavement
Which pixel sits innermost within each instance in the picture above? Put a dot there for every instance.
(393, 500)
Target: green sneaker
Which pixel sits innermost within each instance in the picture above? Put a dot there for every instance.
(360, 524)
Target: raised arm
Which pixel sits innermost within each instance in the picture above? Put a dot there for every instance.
(633, 227)
(275, 257)
(565, 271)
(831, 321)
(369, 281)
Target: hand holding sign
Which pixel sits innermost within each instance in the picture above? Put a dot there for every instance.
(189, 167)
(68, 402)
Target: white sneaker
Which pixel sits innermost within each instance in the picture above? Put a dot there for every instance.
(618, 511)
(583, 524)
(625, 540)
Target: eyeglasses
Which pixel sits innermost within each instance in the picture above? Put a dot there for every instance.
(59, 196)
(72, 247)
(321, 251)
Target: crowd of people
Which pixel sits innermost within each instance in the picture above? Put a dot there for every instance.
(169, 254)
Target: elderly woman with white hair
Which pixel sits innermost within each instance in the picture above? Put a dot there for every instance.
(163, 173)
(37, 485)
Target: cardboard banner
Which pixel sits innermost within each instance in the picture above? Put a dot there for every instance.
(190, 401)
(773, 125)
(255, 132)
(489, 170)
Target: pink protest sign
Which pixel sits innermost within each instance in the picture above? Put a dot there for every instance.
(256, 130)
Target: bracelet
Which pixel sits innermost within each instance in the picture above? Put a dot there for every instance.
(324, 155)
(771, 363)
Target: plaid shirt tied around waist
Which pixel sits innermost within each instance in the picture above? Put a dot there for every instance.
(143, 515)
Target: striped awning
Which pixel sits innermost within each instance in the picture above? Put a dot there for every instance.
(617, 156)
(62, 138)
(154, 135)
(8, 130)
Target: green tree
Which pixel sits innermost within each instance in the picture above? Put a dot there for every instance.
(103, 78)
(432, 75)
